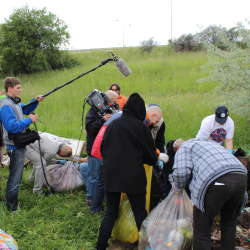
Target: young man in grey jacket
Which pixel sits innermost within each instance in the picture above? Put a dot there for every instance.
(12, 118)
(49, 150)
(217, 182)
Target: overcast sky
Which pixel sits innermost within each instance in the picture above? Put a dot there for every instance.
(117, 23)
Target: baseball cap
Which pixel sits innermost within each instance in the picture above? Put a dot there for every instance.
(221, 114)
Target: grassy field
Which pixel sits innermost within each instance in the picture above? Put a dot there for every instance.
(63, 221)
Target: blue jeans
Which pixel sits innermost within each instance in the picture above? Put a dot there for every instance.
(15, 177)
(84, 170)
(95, 183)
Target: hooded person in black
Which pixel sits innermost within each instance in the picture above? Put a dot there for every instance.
(126, 146)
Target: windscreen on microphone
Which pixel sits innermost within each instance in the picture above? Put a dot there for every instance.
(123, 67)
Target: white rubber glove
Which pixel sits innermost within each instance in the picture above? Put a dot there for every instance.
(163, 157)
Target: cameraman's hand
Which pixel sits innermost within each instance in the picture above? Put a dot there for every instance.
(106, 117)
(33, 117)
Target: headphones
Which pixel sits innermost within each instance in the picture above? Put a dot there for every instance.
(16, 100)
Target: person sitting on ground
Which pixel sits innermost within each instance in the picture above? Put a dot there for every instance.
(49, 150)
(218, 127)
(121, 100)
(217, 181)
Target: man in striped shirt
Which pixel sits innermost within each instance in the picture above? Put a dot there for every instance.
(217, 181)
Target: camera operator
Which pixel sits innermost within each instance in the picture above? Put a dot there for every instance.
(93, 123)
(11, 116)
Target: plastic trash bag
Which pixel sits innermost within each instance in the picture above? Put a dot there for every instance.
(7, 241)
(169, 225)
(64, 177)
(125, 228)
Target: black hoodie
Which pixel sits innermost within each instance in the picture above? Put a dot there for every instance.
(127, 145)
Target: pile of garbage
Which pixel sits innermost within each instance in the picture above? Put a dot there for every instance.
(242, 231)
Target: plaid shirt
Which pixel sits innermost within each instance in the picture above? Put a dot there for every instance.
(199, 163)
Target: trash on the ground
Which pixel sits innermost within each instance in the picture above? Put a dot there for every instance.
(64, 177)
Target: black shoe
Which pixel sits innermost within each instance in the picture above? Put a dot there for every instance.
(89, 201)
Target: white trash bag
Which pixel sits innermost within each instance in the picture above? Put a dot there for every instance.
(169, 225)
(64, 177)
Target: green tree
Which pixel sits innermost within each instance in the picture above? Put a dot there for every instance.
(30, 41)
(231, 68)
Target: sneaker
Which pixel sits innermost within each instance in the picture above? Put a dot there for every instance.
(89, 201)
(98, 210)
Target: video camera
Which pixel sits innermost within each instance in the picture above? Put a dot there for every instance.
(99, 101)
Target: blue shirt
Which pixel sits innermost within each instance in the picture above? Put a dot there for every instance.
(11, 123)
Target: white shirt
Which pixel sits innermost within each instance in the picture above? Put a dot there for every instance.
(210, 129)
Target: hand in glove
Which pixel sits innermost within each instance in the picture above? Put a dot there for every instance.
(163, 157)
(62, 162)
(160, 164)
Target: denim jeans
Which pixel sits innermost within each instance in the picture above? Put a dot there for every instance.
(15, 177)
(224, 196)
(84, 170)
(95, 183)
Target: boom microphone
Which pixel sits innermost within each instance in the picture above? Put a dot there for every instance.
(121, 65)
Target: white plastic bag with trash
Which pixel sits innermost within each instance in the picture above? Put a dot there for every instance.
(169, 225)
(64, 177)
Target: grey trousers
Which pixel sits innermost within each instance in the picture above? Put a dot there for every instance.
(37, 173)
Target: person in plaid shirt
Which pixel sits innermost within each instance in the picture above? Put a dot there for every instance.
(217, 182)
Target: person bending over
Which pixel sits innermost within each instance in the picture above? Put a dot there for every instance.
(49, 150)
(217, 181)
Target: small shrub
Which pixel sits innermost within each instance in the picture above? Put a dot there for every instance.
(148, 45)
(185, 43)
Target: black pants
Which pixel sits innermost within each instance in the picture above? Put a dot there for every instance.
(225, 200)
(113, 201)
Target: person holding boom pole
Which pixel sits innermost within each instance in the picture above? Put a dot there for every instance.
(14, 124)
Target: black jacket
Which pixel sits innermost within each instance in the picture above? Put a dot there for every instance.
(93, 123)
(126, 146)
(160, 138)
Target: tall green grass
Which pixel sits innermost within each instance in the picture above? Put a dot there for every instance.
(162, 77)
(63, 221)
